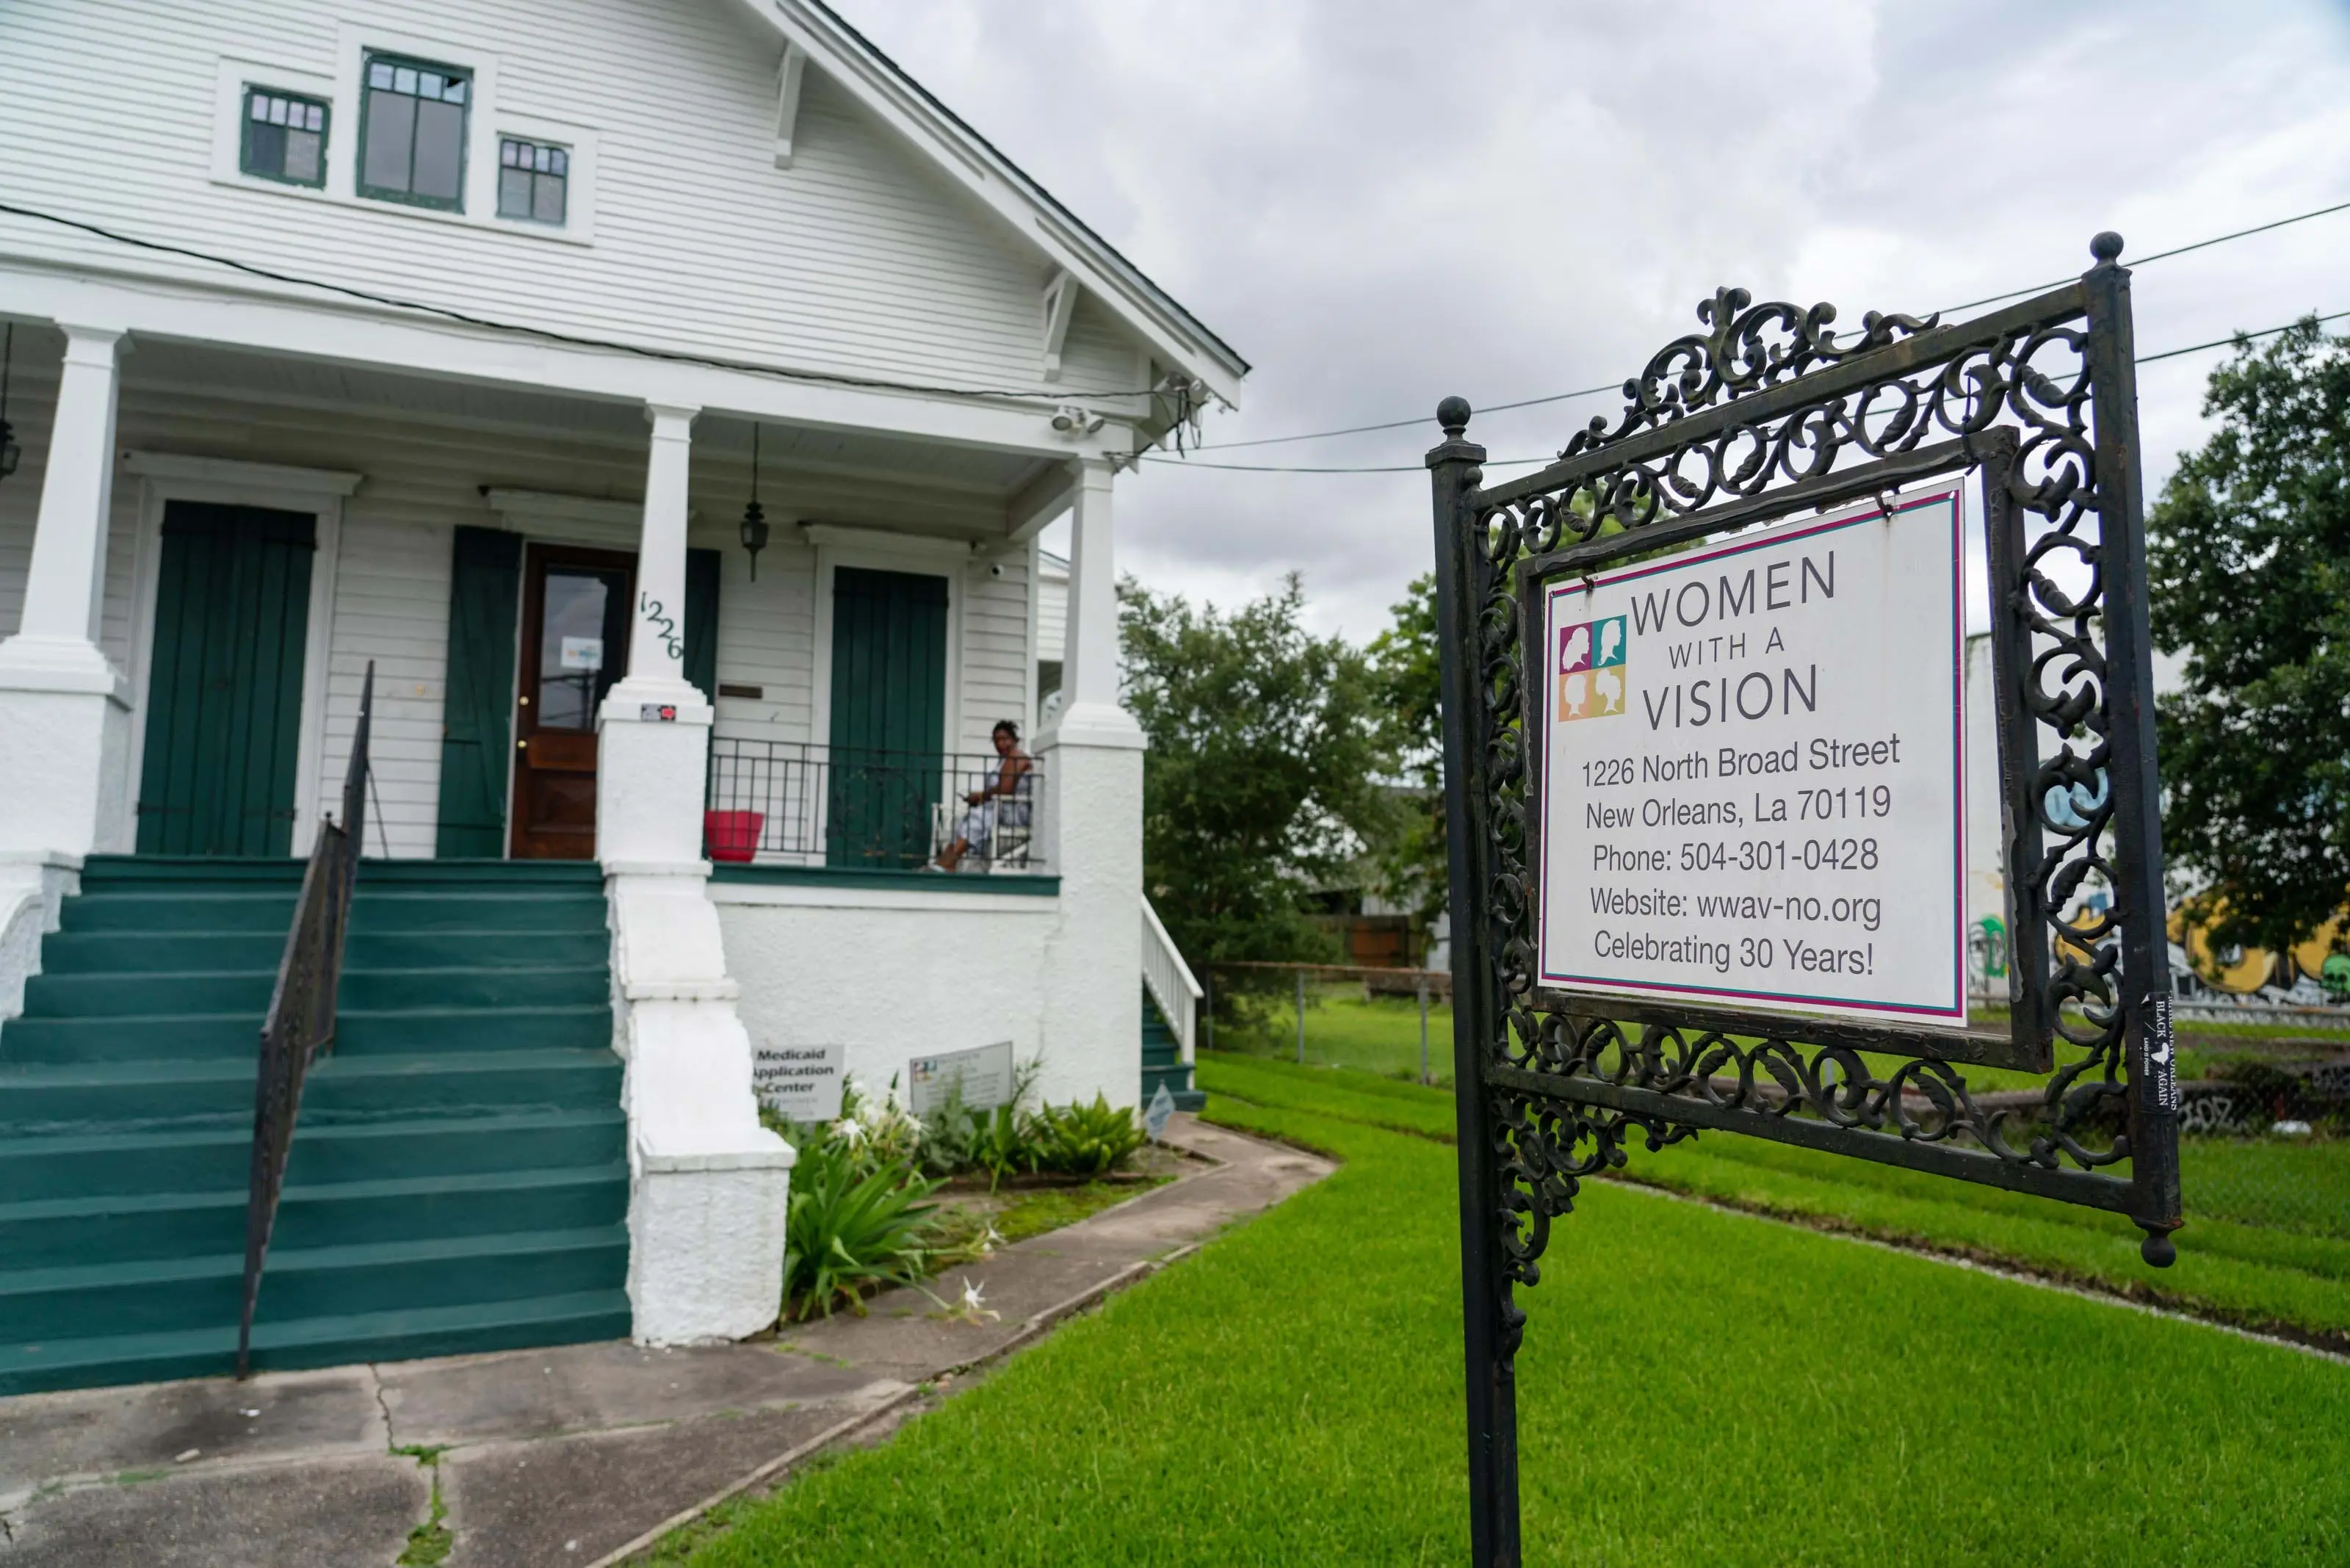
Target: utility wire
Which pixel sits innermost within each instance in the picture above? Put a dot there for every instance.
(2231, 339)
(548, 335)
(1613, 386)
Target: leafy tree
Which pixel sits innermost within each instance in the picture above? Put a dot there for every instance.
(1260, 783)
(1405, 671)
(2249, 566)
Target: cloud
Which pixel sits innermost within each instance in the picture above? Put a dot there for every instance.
(1381, 203)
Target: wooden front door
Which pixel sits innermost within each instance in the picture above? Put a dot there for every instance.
(575, 647)
(224, 686)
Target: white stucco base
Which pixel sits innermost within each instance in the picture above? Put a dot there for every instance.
(34, 885)
(891, 973)
(708, 1184)
(64, 768)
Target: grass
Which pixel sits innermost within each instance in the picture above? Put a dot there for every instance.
(2266, 1244)
(1696, 1387)
(1049, 1208)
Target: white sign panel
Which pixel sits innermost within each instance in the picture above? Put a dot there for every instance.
(1752, 790)
(583, 653)
(800, 1081)
(986, 1072)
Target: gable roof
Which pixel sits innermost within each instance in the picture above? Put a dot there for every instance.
(878, 82)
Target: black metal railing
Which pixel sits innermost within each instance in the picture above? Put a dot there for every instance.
(793, 803)
(301, 1021)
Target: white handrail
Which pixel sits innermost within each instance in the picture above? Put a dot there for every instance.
(1170, 980)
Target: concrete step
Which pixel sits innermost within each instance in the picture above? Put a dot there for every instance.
(173, 1295)
(119, 1228)
(397, 1335)
(218, 1160)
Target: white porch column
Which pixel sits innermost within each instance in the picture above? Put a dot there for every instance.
(1090, 675)
(657, 641)
(1092, 761)
(708, 1183)
(65, 711)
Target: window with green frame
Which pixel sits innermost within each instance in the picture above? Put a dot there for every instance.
(534, 180)
(285, 137)
(412, 132)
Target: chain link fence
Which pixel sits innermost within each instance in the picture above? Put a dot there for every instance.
(2265, 1107)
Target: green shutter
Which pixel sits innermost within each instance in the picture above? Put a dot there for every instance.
(889, 716)
(701, 621)
(477, 713)
(224, 689)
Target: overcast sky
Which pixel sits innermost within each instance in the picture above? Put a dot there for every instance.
(1379, 203)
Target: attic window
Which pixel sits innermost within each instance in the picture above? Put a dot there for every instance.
(412, 132)
(534, 180)
(285, 137)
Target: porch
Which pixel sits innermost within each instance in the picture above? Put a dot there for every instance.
(577, 659)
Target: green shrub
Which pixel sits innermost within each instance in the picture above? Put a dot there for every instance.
(1085, 1140)
(848, 1230)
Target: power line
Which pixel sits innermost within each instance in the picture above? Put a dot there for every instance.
(2163, 256)
(1613, 386)
(2231, 339)
(393, 302)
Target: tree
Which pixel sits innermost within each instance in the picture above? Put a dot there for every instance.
(1260, 783)
(1404, 663)
(2248, 556)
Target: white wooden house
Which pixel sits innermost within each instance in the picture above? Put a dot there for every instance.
(438, 339)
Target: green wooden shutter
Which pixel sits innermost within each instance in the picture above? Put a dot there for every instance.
(477, 710)
(224, 689)
(701, 621)
(889, 716)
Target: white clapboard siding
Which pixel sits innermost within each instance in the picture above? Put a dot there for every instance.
(861, 256)
(1052, 606)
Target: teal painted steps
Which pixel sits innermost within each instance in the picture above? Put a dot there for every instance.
(1163, 1061)
(458, 1180)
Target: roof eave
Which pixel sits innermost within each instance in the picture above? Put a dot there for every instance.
(849, 58)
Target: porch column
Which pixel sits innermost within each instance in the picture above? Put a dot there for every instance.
(64, 708)
(657, 641)
(654, 727)
(707, 1183)
(1092, 764)
(1090, 675)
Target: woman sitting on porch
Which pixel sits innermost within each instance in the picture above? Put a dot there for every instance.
(1003, 803)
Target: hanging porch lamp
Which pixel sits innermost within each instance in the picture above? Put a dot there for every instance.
(754, 521)
(11, 454)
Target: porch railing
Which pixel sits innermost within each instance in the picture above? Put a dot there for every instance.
(301, 1021)
(792, 803)
(1169, 981)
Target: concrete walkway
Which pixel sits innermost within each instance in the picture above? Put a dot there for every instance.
(577, 1455)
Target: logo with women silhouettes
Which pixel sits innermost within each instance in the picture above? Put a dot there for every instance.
(1591, 681)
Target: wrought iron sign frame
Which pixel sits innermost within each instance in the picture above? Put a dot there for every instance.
(1748, 422)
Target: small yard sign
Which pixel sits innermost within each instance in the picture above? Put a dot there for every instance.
(985, 1074)
(800, 1083)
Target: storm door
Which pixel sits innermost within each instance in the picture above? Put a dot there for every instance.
(889, 716)
(224, 686)
(575, 647)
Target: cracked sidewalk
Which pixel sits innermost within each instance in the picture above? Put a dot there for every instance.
(576, 1455)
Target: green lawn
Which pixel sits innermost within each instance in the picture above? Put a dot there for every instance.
(2268, 1238)
(1697, 1387)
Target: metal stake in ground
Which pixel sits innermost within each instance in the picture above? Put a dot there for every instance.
(1301, 1018)
(1423, 1029)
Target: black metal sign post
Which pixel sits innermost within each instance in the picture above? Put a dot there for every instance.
(1764, 415)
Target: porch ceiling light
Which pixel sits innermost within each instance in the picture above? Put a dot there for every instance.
(754, 521)
(10, 452)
